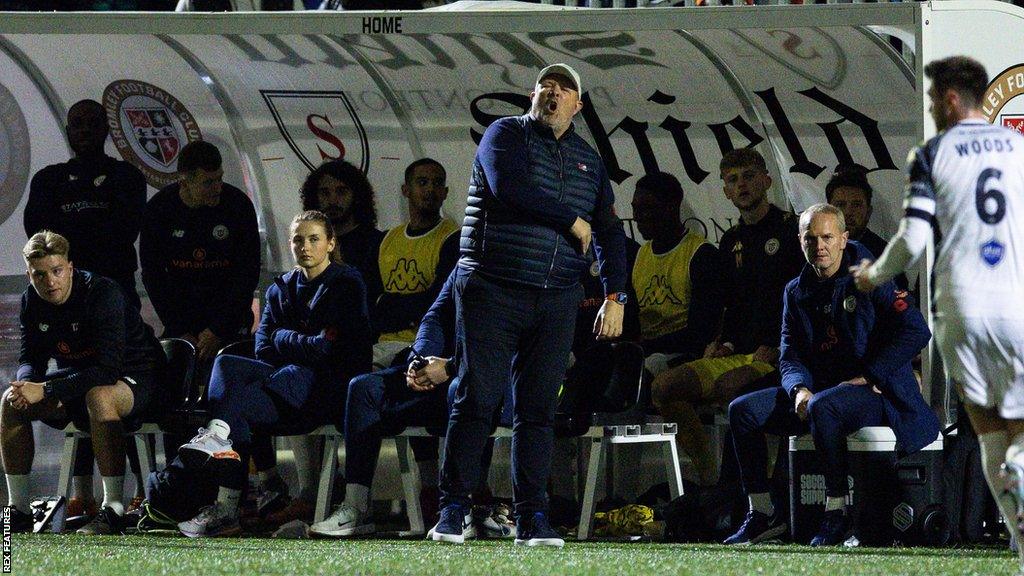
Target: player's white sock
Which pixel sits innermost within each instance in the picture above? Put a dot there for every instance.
(761, 502)
(834, 503)
(993, 451)
(358, 497)
(17, 492)
(428, 472)
(228, 499)
(83, 487)
(113, 493)
(307, 465)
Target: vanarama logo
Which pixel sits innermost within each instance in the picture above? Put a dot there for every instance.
(996, 105)
(149, 127)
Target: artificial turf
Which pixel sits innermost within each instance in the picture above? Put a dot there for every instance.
(51, 555)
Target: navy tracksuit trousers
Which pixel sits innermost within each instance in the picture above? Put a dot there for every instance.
(379, 404)
(507, 335)
(832, 414)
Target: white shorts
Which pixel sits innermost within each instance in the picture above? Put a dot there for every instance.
(984, 357)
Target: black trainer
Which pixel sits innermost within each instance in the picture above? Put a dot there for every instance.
(105, 522)
(835, 527)
(535, 530)
(758, 527)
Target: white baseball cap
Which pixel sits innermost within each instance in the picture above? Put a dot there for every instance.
(562, 69)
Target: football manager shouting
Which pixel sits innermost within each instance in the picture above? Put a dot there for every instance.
(538, 195)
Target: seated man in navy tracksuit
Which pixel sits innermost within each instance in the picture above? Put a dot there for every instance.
(845, 364)
(313, 338)
(107, 362)
(388, 401)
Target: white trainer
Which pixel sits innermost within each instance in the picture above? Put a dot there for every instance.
(206, 445)
(344, 522)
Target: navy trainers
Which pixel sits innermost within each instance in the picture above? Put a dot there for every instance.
(758, 527)
(535, 530)
(834, 528)
(451, 527)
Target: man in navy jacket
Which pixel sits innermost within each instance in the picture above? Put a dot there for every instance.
(845, 364)
(537, 193)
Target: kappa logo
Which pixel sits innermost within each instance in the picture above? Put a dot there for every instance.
(319, 125)
(406, 278)
(149, 127)
(657, 292)
(199, 255)
(15, 153)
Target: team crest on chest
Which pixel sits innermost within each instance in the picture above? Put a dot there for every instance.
(850, 303)
(771, 246)
(595, 268)
(220, 232)
(992, 253)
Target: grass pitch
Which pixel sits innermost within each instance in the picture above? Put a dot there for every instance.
(48, 555)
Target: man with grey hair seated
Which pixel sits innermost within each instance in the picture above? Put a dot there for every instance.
(845, 364)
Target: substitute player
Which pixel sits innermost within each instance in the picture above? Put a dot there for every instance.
(964, 190)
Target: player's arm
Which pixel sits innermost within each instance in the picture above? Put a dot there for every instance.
(40, 210)
(916, 226)
(153, 258)
(33, 356)
(244, 275)
(795, 374)
(128, 206)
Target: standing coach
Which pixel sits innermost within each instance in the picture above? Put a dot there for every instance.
(537, 194)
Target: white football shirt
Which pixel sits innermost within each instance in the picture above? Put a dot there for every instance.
(965, 189)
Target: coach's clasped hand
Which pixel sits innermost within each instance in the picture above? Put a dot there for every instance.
(428, 377)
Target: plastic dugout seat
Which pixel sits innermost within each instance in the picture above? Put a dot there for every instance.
(604, 401)
(172, 401)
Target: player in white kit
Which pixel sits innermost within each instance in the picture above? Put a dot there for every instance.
(966, 191)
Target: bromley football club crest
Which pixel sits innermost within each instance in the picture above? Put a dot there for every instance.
(149, 127)
(319, 125)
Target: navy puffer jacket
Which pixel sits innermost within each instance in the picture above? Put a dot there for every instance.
(526, 190)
